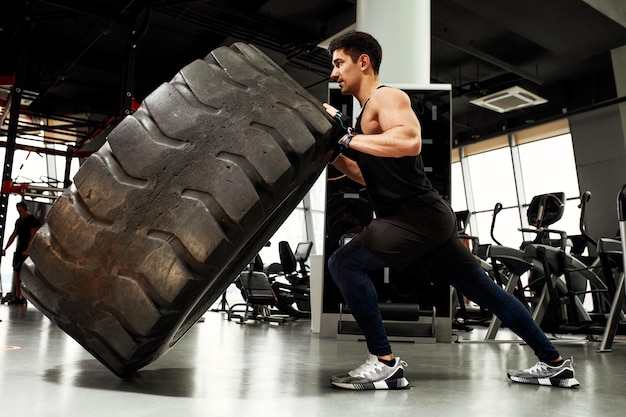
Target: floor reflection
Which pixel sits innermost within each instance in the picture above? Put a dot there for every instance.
(222, 368)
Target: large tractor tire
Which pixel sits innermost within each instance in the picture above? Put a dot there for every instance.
(182, 196)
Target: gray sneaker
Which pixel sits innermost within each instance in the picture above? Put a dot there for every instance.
(373, 374)
(544, 374)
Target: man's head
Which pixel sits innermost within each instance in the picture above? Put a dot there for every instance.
(356, 58)
(355, 44)
(22, 208)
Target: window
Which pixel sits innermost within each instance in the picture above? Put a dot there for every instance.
(296, 228)
(459, 202)
(492, 179)
(506, 228)
(540, 161)
(317, 196)
(292, 231)
(549, 166)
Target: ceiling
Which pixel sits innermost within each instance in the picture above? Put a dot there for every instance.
(75, 53)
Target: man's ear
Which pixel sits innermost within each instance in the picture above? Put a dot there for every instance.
(364, 62)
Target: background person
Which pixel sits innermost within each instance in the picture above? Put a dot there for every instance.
(25, 228)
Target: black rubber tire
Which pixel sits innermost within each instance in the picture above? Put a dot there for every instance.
(183, 194)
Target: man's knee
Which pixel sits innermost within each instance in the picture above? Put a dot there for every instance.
(334, 264)
(476, 285)
(341, 261)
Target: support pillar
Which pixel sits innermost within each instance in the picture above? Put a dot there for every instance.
(14, 103)
(402, 27)
(599, 139)
(618, 58)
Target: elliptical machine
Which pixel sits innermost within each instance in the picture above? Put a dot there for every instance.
(291, 279)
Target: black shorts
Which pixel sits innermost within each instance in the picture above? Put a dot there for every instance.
(420, 233)
(18, 260)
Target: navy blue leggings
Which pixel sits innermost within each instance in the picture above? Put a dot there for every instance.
(349, 266)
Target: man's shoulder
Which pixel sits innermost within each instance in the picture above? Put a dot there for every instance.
(387, 89)
(386, 93)
(390, 98)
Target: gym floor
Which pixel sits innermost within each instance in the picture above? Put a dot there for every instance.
(222, 368)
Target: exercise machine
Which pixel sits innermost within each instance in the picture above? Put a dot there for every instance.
(613, 255)
(291, 279)
(552, 273)
(258, 295)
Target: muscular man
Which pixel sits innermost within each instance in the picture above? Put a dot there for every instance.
(412, 222)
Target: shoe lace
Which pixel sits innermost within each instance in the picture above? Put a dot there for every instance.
(367, 367)
(538, 368)
(371, 365)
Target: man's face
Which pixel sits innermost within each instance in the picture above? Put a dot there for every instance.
(345, 72)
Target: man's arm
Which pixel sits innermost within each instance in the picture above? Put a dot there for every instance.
(10, 241)
(390, 126)
(344, 164)
(350, 168)
(33, 232)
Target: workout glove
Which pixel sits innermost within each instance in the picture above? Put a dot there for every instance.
(343, 126)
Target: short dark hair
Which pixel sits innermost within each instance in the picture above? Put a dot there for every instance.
(22, 205)
(355, 44)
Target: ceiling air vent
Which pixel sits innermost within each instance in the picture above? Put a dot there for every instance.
(510, 99)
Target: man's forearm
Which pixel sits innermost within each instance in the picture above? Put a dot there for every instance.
(349, 168)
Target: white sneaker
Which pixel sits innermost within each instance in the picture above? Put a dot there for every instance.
(544, 374)
(373, 374)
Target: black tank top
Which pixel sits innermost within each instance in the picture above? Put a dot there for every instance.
(393, 182)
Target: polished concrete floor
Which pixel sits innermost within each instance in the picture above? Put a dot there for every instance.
(221, 368)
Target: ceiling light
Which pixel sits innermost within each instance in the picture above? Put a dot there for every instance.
(510, 99)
